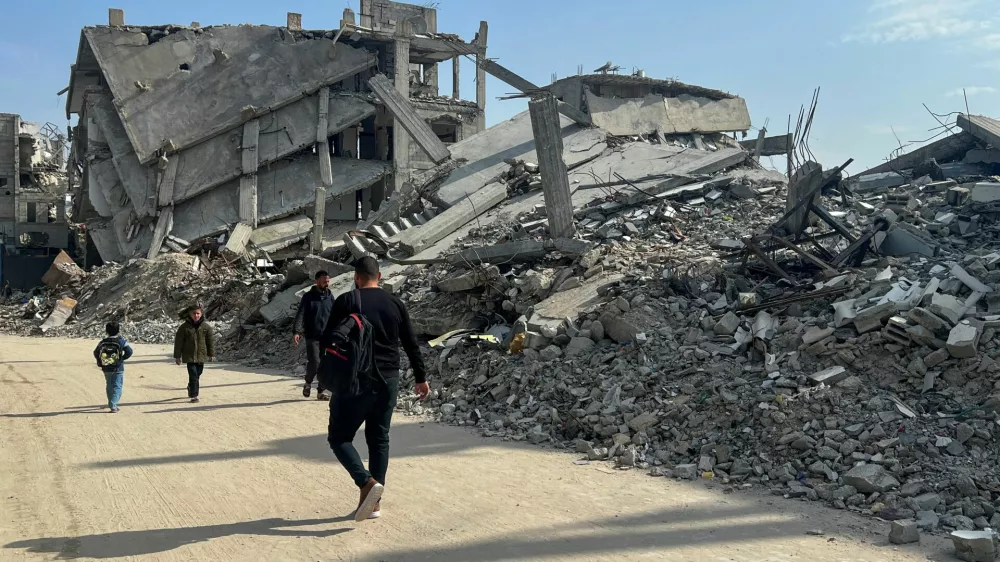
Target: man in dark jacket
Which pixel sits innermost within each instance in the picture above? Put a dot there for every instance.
(390, 325)
(194, 345)
(310, 321)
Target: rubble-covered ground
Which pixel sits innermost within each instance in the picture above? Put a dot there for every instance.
(869, 385)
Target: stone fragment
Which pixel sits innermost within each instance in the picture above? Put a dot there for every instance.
(904, 532)
(947, 307)
(686, 471)
(596, 331)
(927, 520)
(927, 502)
(936, 357)
(816, 334)
(643, 422)
(872, 318)
(870, 478)
(551, 353)
(966, 486)
(929, 320)
(964, 432)
(578, 346)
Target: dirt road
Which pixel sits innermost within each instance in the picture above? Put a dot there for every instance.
(247, 475)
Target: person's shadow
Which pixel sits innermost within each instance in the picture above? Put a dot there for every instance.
(138, 543)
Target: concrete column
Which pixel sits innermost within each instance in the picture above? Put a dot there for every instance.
(481, 73)
(116, 17)
(555, 182)
(430, 72)
(325, 169)
(400, 138)
(455, 74)
(348, 18)
(294, 21)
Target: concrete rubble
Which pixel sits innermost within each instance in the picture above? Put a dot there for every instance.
(641, 292)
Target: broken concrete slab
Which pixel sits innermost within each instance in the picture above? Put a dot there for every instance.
(314, 264)
(982, 156)
(139, 181)
(971, 282)
(668, 115)
(282, 233)
(60, 314)
(283, 305)
(983, 192)
(168, 92)
(479, 277)
(283, 189)
(943, 150)
(829, 376)
(771, 146)
(871, 182)
(983, 128)
(289, 129)
(617, 328)
(870, 478)
(905, 240)
(238, 239)
(418, 238)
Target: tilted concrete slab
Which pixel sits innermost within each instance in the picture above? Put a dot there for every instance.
(676, 115)
(942, 150)
(648, 166)
(196, 83)
(283, 132)
(139, 181)
(418, 238)
(981, 127)
(486, 151)
(104, 189)
(282, 233)
(282, 190)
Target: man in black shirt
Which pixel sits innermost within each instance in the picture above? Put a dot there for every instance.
(390, 324)
(310, 321)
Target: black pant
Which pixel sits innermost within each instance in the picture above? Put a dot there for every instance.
(374, 409)
(313, 355)
(194, 376)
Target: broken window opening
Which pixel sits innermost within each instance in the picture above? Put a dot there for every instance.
(52, 213)
(3, 183)
(32, 213)
(185, 66)
(446, 131)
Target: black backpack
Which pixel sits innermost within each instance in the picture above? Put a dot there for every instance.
(110, 353)
(347, 367)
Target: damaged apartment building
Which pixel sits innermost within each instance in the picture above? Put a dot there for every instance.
(33, 186)
(271, 136)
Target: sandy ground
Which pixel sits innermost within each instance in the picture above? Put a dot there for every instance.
(247, 475)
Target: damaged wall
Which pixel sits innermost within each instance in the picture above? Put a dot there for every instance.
(682, 114)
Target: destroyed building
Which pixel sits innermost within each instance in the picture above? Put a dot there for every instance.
(33, 185)
(186, 132)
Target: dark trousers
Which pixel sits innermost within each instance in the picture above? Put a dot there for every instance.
(194, 378)
(313, 355)
(374, 409)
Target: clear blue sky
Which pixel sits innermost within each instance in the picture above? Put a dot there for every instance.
(875, 60)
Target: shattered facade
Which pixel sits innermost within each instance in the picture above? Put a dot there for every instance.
(176, 144)
(33, 184)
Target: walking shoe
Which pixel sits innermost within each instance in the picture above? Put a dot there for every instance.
(307, 390)
(114, 410)
(371, 494)
(194, 399)
(377, 512)
(325, 396)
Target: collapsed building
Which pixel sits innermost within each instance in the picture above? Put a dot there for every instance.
(187, 132)
(33, 185)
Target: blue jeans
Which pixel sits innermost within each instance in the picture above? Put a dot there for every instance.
(114, 387)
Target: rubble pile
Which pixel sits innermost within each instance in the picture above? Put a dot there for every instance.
(147, 297)
(872, 385)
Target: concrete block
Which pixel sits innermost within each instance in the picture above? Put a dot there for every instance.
(904, 531)
(929, 320)
(617, 328)
(394, 284)
(727, 325)
(936, 357)
(963, 341)
(947, 307)
(969, 280)
(983, 192)
(975, 546)
(815, 334)
(870, 478)
(60, 314)
(872, 318)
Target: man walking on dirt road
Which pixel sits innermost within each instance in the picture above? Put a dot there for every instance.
(390, 326)
(310, 321)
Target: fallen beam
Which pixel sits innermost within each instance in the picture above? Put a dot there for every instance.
(525, 86)
(281, 234)
(419, 238)
(555, 182)
(407, 117)
(771, 146)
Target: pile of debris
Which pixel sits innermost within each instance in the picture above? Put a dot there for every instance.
(147, 297)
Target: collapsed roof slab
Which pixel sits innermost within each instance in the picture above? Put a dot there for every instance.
(282, 190)
(942, 150)
(282, 233)
(981, 127)
(676, 115)
(139, 181)
(283, 132)
(193, 84)
(486, 151)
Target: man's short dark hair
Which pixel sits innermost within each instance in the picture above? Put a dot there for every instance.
(321, 273)
(366, 268)
(112, 329)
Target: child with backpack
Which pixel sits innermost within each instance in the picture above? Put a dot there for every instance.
(111, 354)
